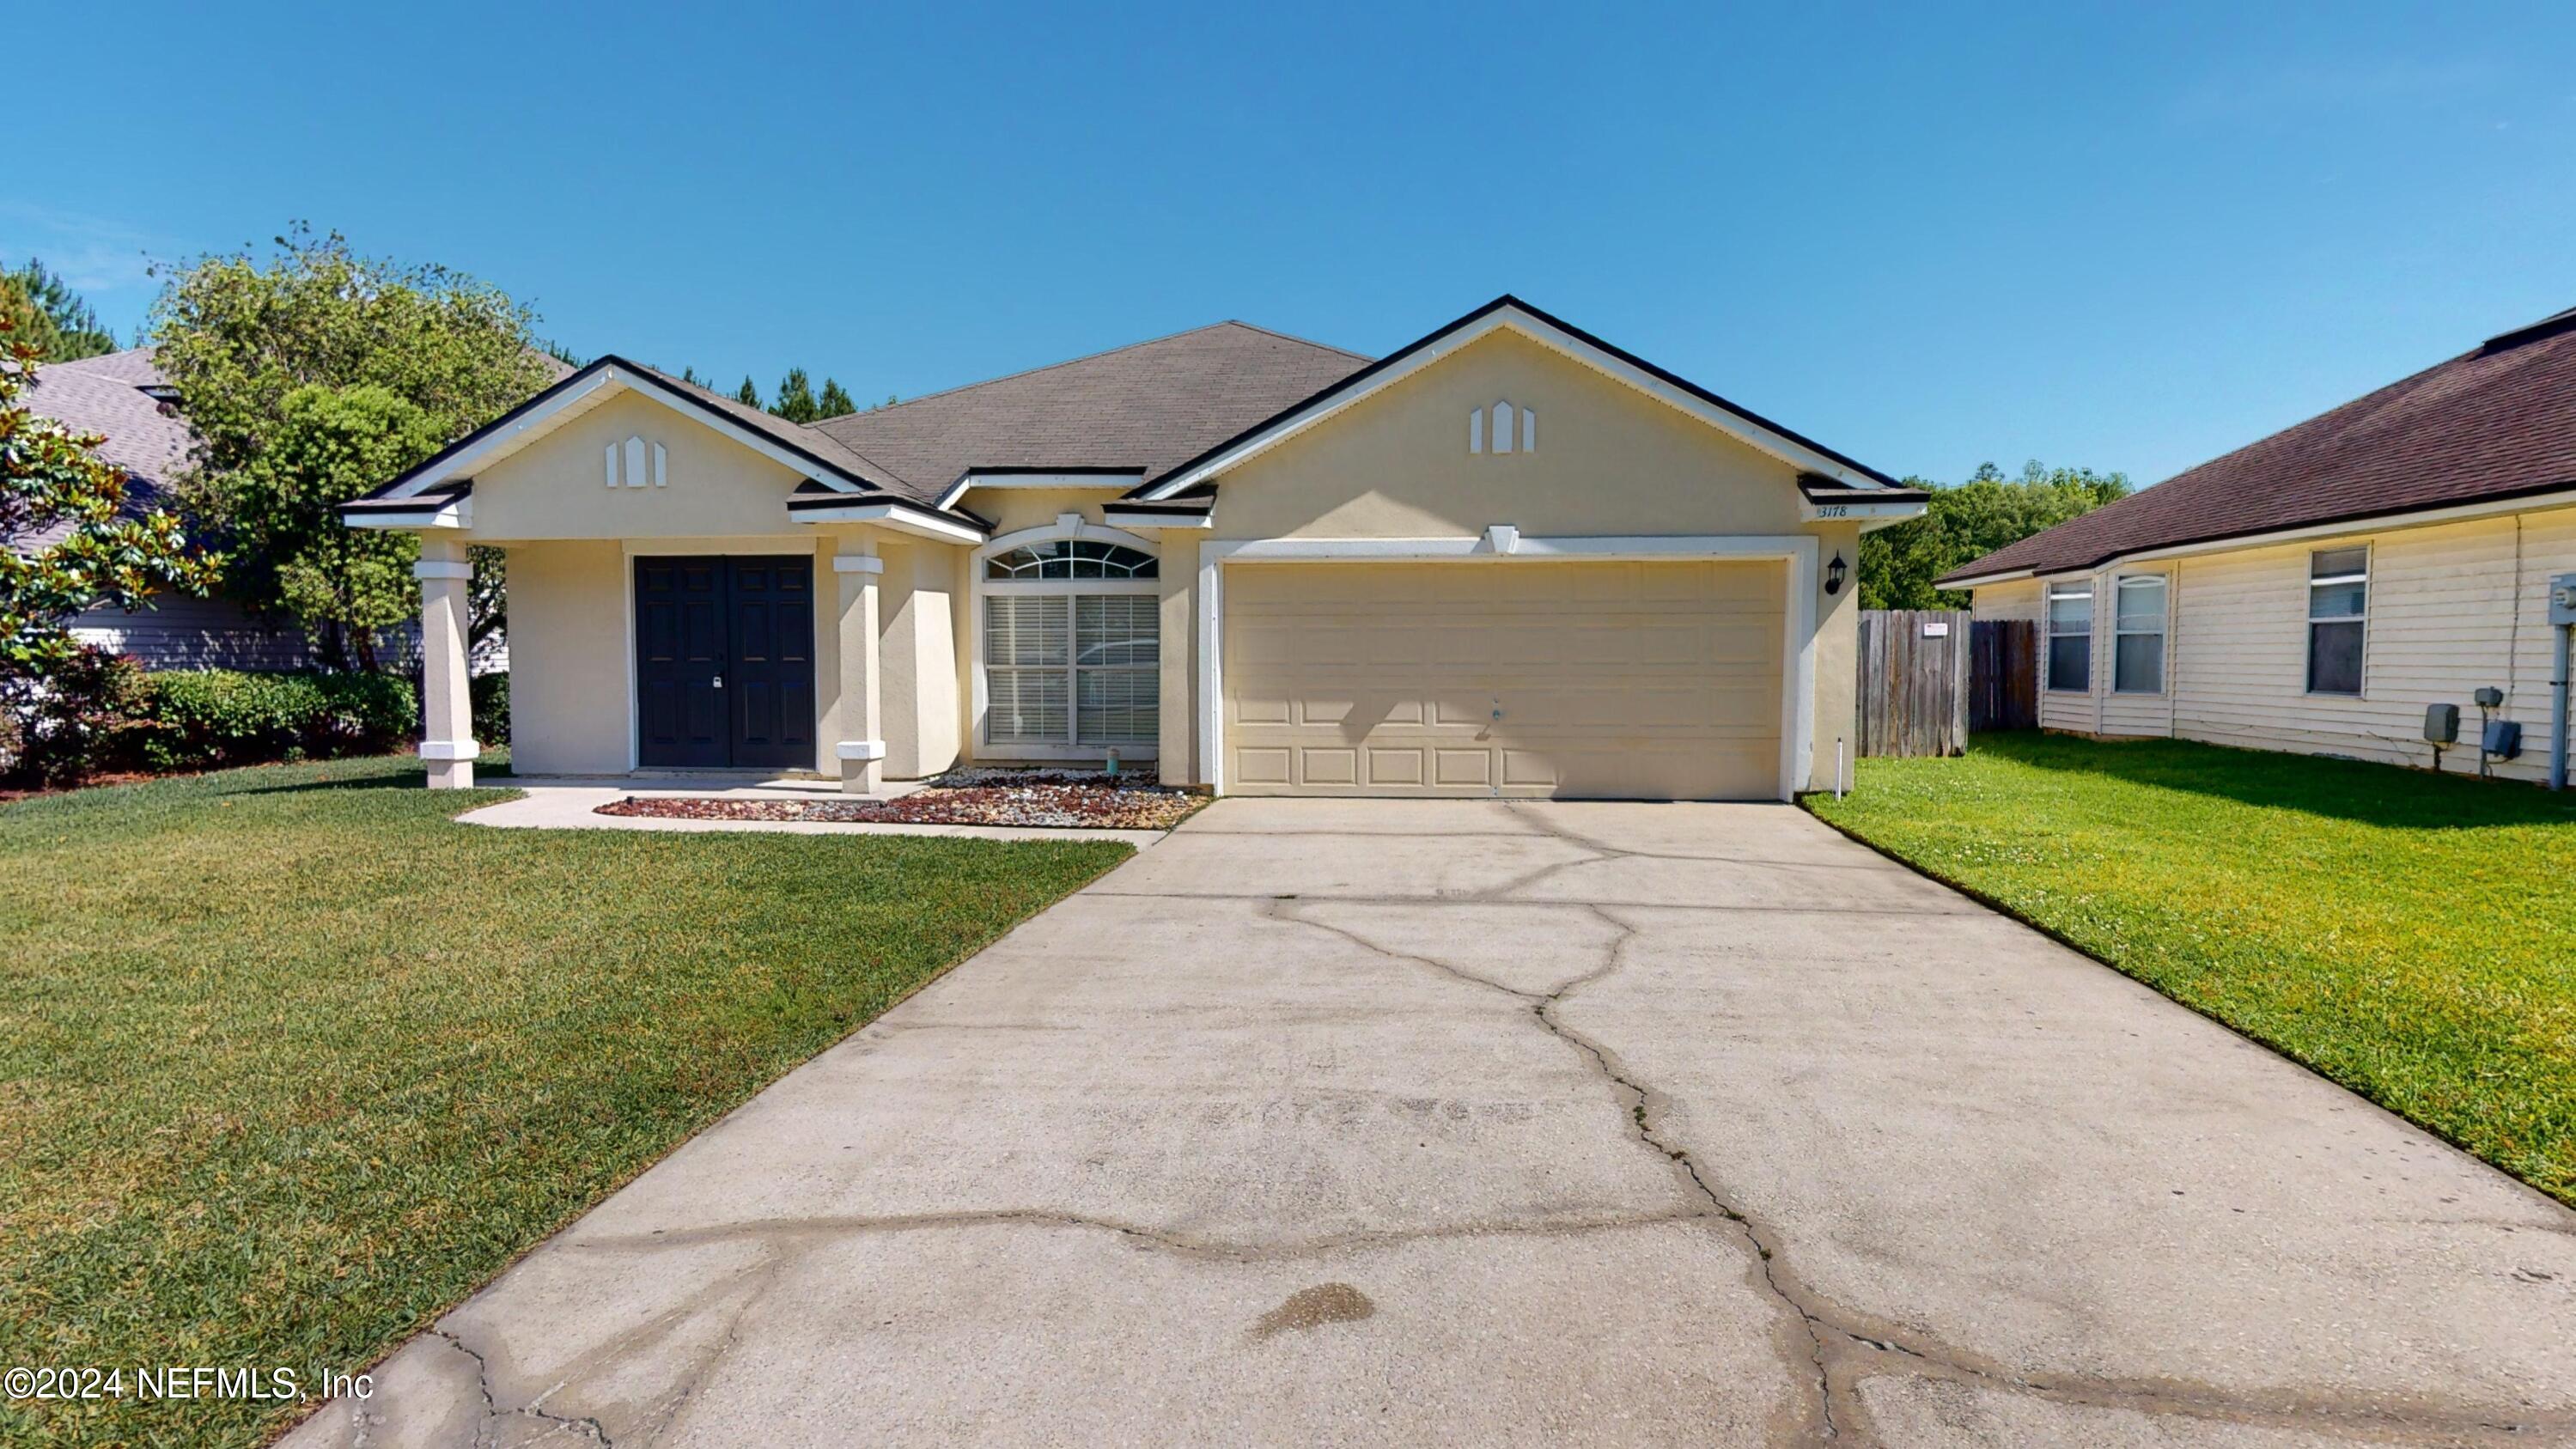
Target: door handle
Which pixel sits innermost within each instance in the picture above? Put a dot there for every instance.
(719, 681)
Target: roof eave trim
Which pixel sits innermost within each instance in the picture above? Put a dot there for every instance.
(512, 430)
(1078, 476)
(1511, 312)
(2560, 494)
(901, 515)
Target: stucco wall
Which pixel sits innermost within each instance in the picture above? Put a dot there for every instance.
(568, 675)
(555, 487)
(1610, 460)
(2452, 607)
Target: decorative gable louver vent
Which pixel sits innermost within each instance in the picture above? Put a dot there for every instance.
(625, 463)
(1491, 429)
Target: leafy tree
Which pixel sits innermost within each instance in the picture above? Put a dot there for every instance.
(49, 316)
(795, 397)
(748, 394)
(835, 401)
(411, 357)
(1969, 521)
(50, 477)
(566, 356)
(332, 444)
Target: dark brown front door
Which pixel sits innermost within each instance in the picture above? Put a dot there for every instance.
(724, 662)
(771, 687)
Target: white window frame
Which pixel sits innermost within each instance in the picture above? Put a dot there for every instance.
(2361, 621)
(2162, 632)
(2049, 634)
(1066, 526)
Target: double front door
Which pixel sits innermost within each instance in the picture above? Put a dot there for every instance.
(724, 662)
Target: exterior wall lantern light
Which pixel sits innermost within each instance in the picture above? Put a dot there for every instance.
(1834, 576)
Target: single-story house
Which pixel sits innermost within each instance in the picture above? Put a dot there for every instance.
(1509, 559)
(123, 398)
(2316, 591)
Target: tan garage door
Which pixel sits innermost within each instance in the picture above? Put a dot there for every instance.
(1604, 680)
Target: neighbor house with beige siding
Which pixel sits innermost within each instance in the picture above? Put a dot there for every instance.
(2318, 590)
(1509, 559)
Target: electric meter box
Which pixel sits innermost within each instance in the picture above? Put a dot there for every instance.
(2562, 600)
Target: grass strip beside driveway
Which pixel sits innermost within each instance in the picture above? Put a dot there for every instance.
(290, 1061)
(2410, 936)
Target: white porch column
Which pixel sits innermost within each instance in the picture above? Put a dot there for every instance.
(446, 706)
(862, 747)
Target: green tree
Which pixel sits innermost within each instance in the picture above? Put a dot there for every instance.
(57, 321)
(52, 478)
(795, 397)
(748, 394)
(243, 339)
(835, 401)
(1969, 521)
(332, 444)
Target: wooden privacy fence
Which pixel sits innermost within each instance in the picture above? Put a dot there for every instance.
(2003, 677)
(1913, 688)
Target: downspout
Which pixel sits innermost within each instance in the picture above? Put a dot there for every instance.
(2562, 622)
(2558, 703)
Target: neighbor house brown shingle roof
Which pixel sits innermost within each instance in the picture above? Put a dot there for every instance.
(2495, 423)
(1141, 407)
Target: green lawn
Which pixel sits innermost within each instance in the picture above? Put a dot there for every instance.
(290, 1061)
(2411, 936)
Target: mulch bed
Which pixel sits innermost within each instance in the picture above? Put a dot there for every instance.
(1060, 799)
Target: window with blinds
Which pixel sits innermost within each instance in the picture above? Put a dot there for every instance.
(1078, 669)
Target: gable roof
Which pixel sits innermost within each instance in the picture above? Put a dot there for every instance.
(2494, 423)
(1509, 311)
(1135, 409)
(822, 458)
(105, 395)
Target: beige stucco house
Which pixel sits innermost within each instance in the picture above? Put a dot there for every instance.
(2316, 591)
(1510, 559)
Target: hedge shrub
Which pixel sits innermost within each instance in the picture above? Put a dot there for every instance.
(206, 718)
(491, 709)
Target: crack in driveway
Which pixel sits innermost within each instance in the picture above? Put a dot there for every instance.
(1831, 1327)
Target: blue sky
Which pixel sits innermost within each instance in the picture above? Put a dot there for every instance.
(2124, 236)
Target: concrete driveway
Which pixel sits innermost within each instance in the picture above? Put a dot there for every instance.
(1363, 1121)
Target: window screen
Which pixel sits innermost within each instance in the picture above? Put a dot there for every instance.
(2070, 637)
(2338, 601)
(1072, 669)
(2138, 637)
(1117, 669)
(1028, 653)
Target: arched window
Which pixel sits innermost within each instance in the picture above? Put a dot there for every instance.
(1502, 433)
(1070, 558)
(1071, 648)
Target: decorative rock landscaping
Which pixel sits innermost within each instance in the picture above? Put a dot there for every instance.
(1063, 799)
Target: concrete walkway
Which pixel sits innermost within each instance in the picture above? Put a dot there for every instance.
(1373, 1122)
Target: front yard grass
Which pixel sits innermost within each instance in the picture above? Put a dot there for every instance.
(2408, 935)
(290, 1061)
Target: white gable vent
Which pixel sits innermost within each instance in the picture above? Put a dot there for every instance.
(625, 463)
(1494, 429)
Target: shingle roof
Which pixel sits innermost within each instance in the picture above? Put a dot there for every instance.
(1143, 406)
(103, 395)
(2493, 423)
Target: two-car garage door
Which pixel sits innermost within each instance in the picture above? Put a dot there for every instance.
(1602, 680)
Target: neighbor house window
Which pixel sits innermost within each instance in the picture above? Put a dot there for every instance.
(2138, 636)
(2070, 637)
(2338, 599)
(1072, 656)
